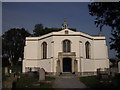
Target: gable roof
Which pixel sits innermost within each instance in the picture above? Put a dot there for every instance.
(70, 33)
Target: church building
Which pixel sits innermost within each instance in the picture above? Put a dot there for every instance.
(66, 51)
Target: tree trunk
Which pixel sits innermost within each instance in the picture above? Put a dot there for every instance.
(10, 60)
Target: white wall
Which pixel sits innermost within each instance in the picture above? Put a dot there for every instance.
(46, 64)
(100, 49)
(102, 63)
(84, 40)
(49, 45)
(58, 44)
(31, 49)
(88, 65)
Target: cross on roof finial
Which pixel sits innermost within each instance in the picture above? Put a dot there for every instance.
(65, 24)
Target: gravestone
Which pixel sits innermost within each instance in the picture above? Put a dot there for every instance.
(98, 74)
(6, 71)
(114, 71)
(119, 67)
(41, 74)
(10, 71)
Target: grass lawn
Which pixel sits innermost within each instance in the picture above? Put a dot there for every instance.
(26, 82)
(93, 82)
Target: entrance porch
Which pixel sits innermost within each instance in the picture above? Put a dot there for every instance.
(66, 62)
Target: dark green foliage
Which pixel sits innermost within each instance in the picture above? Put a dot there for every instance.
(38, 30)
(108, 14)
(5, 62)
(115, 42)
(41, 30)
(13, 42)
(114, 62)
(16, 68)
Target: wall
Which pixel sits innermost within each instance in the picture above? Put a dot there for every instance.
(82, 46)
(58, 44)
(31, 49)
(90, 65)
(46, 64)
(49, 47)
(87, 65)
(99, 56)
(100, 49)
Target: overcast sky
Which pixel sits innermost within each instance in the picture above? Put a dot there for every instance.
(51, 14)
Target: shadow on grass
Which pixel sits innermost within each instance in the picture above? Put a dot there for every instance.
(94, 82)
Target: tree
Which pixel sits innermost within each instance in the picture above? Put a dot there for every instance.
(13, 42)
(38, 30)
(41, 30)
(108, 14)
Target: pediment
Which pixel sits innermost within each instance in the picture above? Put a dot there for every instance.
(66, 31)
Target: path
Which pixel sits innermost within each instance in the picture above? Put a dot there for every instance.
(68, 82)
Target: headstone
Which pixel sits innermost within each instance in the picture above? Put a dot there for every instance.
(104, 76)
(98, 71)
(10, 71)
(30, 69)
(98, 74)
(114, 71)
(119, 67)
(20, 59)
(6, 71)
(41, 74)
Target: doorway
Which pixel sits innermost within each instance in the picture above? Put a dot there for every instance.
(67, 65)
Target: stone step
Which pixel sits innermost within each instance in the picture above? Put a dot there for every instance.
(67, 75)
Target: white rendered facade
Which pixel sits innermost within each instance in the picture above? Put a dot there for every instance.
(56, 58)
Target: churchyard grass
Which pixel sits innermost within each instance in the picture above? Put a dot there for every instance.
(94, 82)
(26, 82)
(49, 78)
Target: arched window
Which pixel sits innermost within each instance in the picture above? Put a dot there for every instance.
(44, 50)
(66, 46)
(87, 48)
